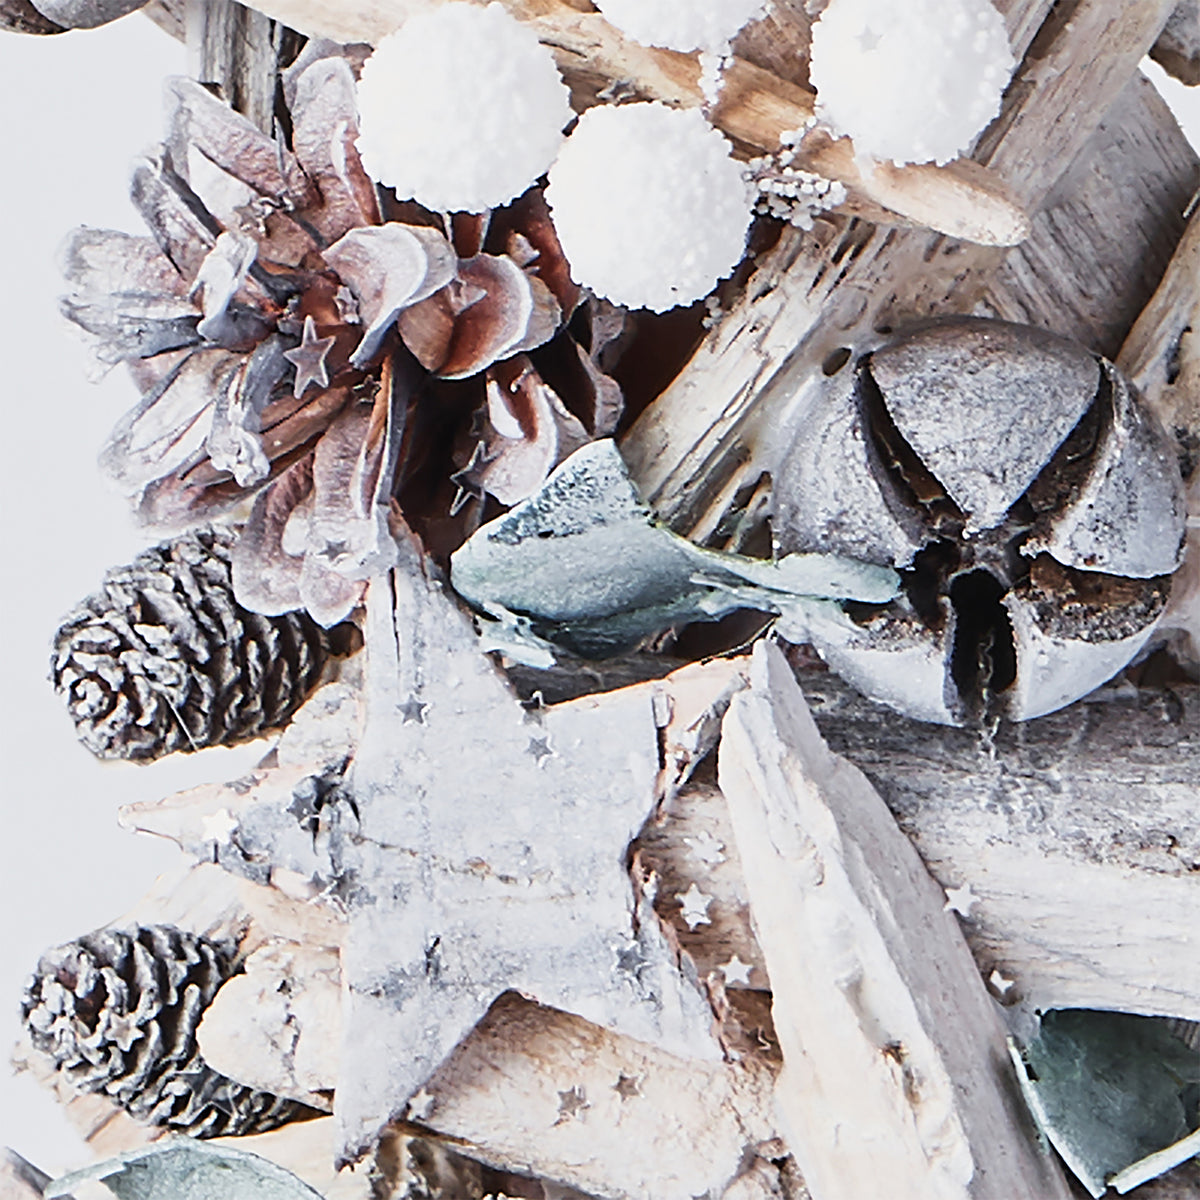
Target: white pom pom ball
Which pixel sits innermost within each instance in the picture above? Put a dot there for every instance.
(910, 80)
(461, 109)
(680, 24)
(650, 207)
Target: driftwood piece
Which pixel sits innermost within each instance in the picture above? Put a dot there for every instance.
(240, 50)
(1161, 354)
(1083, 57)
(1177, 50)
(1040, 824)
(170, 16)
(1105, 235)
(893, 1051)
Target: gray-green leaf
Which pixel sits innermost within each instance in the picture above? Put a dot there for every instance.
(586, 561)
(185, 1169)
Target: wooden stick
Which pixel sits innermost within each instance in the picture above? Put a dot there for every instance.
(1162, 352)
(892, 1049)
(1177, 50)
(1078, 65)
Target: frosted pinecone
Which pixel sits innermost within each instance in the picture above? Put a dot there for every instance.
(117, 1013)
(163, 657)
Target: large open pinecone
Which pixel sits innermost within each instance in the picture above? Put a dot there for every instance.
(163, 657)
(117, 1013)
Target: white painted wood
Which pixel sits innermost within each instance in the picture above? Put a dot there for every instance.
(893, 1052)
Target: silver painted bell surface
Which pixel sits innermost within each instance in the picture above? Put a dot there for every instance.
(1032, 504)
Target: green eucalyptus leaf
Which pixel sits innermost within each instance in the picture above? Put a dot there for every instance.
(1116, 1094)
(186, 1169)
(586, 563)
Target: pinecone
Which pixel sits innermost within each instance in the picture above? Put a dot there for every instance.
(117, 1013)
(163, 658)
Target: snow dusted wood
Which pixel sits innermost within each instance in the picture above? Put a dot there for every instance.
(1161, 355)
(893, 1052)
(1079, 63)
(487, 855)
(1178, 47)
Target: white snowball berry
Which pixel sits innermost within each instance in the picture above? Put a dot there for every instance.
(650, 208)
(680, 24)
(910, 80)
(461, 108)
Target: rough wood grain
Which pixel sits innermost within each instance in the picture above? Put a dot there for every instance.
(893, 1051)
(1178, 47)
(240, 51)
(1161, 354)
(1081, 60)
(170, 16)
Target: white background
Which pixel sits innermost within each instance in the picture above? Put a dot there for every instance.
(77, 109)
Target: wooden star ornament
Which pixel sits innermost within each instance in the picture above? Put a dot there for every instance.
(488, 855)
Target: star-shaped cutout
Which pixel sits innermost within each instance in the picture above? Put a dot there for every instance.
(413, 710)
(217, 827)
(309, 359)
(466, 479)
(628, 1086)
(512, 863)
(571, 1104)
(694, 906)
(1000, 984)
(736, 971)
(960, 900)
(707, 848)
(539, 747)
(868, 40)
(420, 1106)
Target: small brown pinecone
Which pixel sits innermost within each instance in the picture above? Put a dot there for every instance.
(117, 1013)
(163, 657)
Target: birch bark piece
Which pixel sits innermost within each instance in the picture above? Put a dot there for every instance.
(487, 856)
(892, 1047)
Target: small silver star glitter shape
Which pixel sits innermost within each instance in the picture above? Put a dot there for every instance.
(999, 983)
(420, 1106)
(694, 906)
(960, 900)
(627, 1086)
(736, 971)
(309, 359)
(707, 848)
(412, 711)
(219, 825)
(571, 1105)
(539, 747)
(868, 40)
(466, 479)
